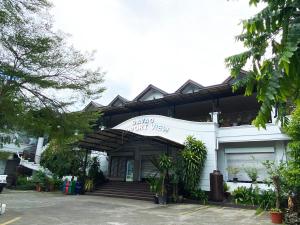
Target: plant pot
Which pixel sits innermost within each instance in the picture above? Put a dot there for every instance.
(276, 217)
(38, 187)
(156, 200)
(235, 179)
(162, 200)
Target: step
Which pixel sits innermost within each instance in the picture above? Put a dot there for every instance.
(127, 193)
(145, 198)
(124, 187)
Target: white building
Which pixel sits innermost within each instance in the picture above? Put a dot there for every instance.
(157, 122)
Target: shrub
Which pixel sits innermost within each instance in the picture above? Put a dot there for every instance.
(40, 178)
(95, 173)
(191, 162)
(264, 199)
(62, 159)
(252, 173)
(24, 183)
(247, 196)
(199, 195)
(267, 199)
(226, 187)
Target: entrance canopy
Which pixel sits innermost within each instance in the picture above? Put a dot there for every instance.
(113, 139)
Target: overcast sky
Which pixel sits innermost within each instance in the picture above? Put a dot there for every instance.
(159, 42)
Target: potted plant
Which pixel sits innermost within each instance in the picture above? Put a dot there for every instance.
(39, 178)
(233, 171)
(274, 172)
(163, 164)
(89, 185)
(252, 173)
(276, 215)
(153, 182)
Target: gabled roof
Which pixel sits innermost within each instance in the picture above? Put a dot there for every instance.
(147, 90)
(92, 106)
(189, 83)
(231, 80)
(117, 99)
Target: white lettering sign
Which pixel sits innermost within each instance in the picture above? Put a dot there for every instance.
(144, 124)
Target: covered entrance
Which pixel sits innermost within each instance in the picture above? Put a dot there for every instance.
(129, 153)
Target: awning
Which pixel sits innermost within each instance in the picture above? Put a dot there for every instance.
(112, 139)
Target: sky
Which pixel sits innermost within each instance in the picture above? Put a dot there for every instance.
(159, 42)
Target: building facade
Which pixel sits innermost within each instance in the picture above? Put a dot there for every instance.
(156, 122)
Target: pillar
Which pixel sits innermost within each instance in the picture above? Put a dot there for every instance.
(39, 150)
(137, 165)
(214, 117)
(274, 117)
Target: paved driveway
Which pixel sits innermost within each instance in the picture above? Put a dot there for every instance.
(28, 207)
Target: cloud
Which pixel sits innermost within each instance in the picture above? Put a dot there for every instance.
(165, 43)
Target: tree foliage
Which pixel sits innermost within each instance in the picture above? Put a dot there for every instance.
(38, 70)
(62, 159)
(292, 171)
(272, 40)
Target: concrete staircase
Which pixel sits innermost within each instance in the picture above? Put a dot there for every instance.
(32, 165)
(119, 189)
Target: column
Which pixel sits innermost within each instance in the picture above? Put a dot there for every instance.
(39, 150)
(214, 117)
(137, 165)
(274, 117)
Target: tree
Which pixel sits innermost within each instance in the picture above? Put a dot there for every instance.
(292, 171)
(272, 40)
(63, 159)
(38, 69)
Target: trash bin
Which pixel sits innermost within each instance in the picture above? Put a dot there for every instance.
(216, 186)
(78, 188)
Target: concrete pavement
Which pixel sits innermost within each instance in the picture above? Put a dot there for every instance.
(30, 207)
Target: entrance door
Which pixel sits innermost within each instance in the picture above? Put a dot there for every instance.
(129, 170)
(118, 168)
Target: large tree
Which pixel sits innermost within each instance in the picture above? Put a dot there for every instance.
(272, 41)
(38, 70)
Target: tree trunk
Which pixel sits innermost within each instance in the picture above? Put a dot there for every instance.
(276, 182)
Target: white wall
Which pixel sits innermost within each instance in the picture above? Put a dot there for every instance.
(177, 130)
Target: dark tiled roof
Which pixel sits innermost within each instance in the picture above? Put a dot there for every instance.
(118, 98)
(149, 88)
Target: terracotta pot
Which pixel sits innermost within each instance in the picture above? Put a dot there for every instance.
(276, 217)
(38, 187)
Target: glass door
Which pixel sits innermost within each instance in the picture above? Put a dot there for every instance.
(129, 170)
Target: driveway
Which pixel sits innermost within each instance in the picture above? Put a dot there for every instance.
(29, 207)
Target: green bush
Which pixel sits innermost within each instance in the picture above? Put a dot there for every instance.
(264, 199)
(40, 178)
(62, 159)
(55, 181)
(267, 199)
(23, 183)
(226, 187)
(191, 162)
(246, 196)
(199, 195)
(95, 173)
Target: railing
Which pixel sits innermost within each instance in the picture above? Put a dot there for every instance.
(237, 118)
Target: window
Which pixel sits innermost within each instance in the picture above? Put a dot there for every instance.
(242, 158)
